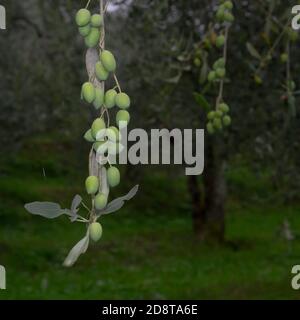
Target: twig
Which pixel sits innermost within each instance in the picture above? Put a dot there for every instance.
(117, 83)
(221, 89)
(88, 3)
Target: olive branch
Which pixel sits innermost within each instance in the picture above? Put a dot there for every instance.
(105, 139)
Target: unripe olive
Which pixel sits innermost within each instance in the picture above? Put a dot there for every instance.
(223, 107)
(210, 128)
(92, 184)
(99, 98)
(98, 126)
(218, 114)
(220, 41)
(197, 62)
(221, 72)
(88, 136)
(96, 20)
(293, 35)
(83, 17)
(92, 39)
(122, 100)
(110, 98)
(122, 118)
(113, 134)
(217, 123)
(113, 176)
(220, 14)
(108, 60)
(211, 115)
(220, 63)
(258, 79)
(85, 30)
(284, 57)
(211, 76)
(88, 92)
(100, 201)
(292, 85)
(95, 231)
(226, 121)
(228, 17)
(101, 72)
(228, 5)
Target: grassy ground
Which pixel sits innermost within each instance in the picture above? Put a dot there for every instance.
(147, 251)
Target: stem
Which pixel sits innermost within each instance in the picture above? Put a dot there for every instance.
(221, 88)
(106, 6)
(271, 50)
(288, 66)
(117, 83)
(88, 3)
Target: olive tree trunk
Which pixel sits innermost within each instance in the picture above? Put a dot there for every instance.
(208, 203)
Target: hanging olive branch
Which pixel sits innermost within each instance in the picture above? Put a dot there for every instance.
(105, 139)
(219, 118)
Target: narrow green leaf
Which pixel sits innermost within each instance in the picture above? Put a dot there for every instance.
(200, 99)
(254, 53)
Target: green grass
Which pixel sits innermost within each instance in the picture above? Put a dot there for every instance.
(148, 250)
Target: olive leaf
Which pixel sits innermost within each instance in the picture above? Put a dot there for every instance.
(118, 203)
(254, 53)
(48, 210)
(74, 207)
(175, 79)
(200, 99)
(77, 250)
(91, 58)
(292, 105)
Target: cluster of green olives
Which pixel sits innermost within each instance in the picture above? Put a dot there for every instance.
(218, 72)
(92, 185)
(89, 26)
(224, 12)
(218, 119)
(106, 140)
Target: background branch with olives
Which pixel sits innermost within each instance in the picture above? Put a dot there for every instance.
(104, 138)
(219, 118)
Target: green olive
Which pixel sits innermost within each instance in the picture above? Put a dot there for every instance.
(220, 41)
(95, 231)
(122, 118)
(85, 30)
(122, 100)
(101, 72)
(92, 184)
(92, 39)
(110, 98)
(98, 126)
(100, 201)
(108, 60)
(99, 98)
(226, 121)
(88, 92)
(88, 136)
(96, 20)
(83, 17)
(113, 176)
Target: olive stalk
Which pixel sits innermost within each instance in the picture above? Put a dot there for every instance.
(221, 88)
